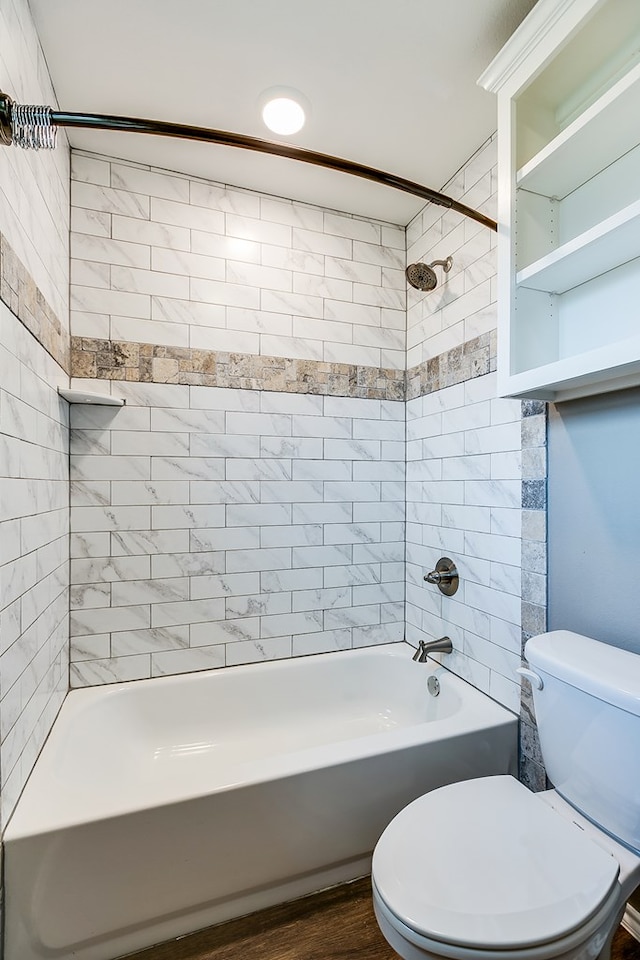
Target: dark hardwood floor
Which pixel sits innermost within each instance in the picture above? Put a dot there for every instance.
(337, 924)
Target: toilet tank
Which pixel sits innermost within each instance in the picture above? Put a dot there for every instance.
(588, 715)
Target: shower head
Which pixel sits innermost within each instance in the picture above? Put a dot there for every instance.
(422, 276)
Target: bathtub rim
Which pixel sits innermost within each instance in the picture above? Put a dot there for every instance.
(31, 817)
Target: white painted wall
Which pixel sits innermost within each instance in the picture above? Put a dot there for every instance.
(594, 521)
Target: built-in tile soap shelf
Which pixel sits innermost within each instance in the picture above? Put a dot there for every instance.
(85, 396)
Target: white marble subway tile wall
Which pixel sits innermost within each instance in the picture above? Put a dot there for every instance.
(34, 475)
(34, 552)
(463, 306)
(214, 527)
(463, 501)
(160, 258)
(463, 447)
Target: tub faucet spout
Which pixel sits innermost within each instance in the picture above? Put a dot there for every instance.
(443, 645)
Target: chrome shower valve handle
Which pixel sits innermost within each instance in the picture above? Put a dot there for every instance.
(445, 576)
(435, 577)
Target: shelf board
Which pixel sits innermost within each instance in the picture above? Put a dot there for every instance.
(602, 370)
(86, 396)
(605, 131)
(607, 245)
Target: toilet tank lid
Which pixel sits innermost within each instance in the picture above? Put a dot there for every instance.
(606, 672)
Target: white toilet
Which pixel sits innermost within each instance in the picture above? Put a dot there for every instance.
(486, 870)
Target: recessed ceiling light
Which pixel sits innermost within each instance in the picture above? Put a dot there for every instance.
(283, 110)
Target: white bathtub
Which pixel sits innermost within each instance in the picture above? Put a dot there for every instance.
(161, 806)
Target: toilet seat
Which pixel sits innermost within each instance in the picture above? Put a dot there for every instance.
(483, 865)
(581, 943)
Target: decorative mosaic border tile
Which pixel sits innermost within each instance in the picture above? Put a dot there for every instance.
(19, 291)
(150, 363)
(472, 359)
(534, 574)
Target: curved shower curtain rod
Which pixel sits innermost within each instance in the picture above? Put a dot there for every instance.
(35, 127)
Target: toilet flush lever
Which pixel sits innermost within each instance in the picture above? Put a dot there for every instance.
(533, 678)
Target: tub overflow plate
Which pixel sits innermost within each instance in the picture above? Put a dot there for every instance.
(433, 685)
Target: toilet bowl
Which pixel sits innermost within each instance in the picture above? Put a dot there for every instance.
(486, 870)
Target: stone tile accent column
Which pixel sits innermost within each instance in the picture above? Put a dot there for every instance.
(534, 573)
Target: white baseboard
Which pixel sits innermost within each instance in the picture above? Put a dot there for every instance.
(631, 921)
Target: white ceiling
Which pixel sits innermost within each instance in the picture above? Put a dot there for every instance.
(392, 84)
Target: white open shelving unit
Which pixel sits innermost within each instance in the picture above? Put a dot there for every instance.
(568, 86)
(608, 245)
